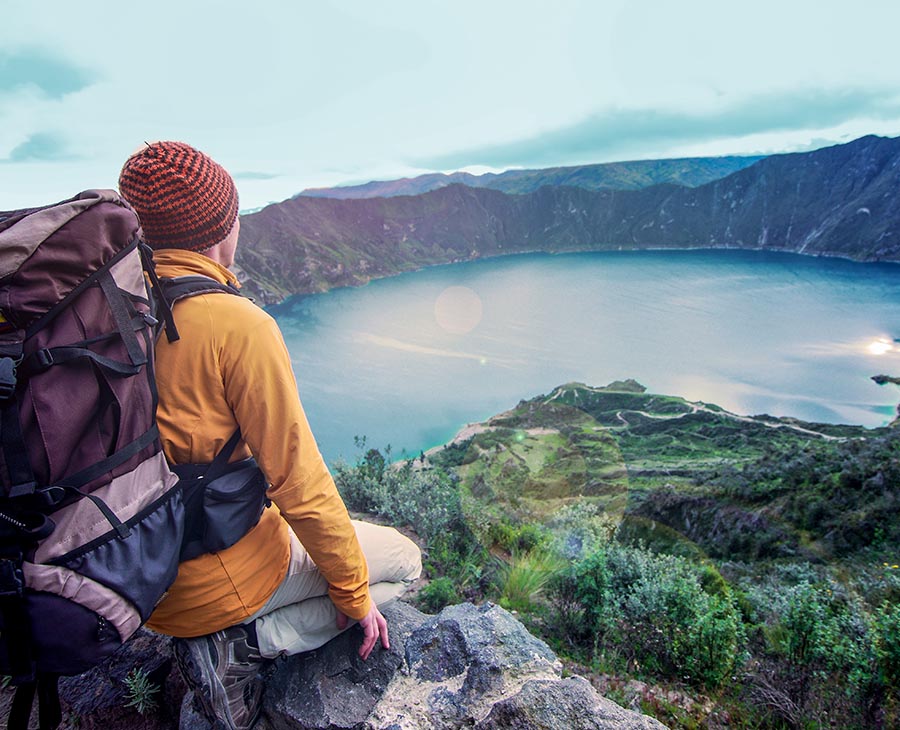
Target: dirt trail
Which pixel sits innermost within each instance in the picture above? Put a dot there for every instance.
(695, 407)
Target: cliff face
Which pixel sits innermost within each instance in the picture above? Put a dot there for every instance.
(841, 201)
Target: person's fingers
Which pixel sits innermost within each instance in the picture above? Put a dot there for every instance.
(383, 630)
(370, 629)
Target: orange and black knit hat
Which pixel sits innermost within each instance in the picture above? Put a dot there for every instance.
(183, 198)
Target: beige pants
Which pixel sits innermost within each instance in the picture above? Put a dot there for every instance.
(300, 616)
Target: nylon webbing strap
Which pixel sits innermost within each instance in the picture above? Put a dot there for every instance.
(20, 712)
(220, 463)
(50, 315)
(15, 453)
(182, 287)
(123, 319)
(49, 709)
(158, 295)
(85, 476)
(42, 359)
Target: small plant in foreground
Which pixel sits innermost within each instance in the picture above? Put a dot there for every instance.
(140, 690)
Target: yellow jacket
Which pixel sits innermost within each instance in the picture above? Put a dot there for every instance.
(231, 367)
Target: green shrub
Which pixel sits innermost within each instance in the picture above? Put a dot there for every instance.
(518, 538)
(582, 528)
(428, 500)
(887, 643)
(653, 611)
(438, 593)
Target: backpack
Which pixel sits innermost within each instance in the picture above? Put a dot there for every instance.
(223, 500)
(91, 517)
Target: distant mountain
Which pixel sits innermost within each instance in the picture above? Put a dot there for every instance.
(839, 201)
(634, 175)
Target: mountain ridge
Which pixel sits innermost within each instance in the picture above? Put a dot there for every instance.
(625, 175)
(836, 201)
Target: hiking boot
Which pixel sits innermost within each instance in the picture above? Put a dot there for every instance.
(223, 671)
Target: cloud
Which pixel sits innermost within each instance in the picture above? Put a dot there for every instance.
(40, 147)
(52, 76)
(618, 131)
(250, 175)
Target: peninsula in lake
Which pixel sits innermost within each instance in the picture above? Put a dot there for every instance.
(837, 201)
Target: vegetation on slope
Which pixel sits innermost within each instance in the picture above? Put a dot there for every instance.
(704, 564)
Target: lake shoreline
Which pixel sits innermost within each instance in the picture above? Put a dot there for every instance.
(575, 252)
(753, 331)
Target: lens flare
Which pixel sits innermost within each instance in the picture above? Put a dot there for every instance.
(458, 310)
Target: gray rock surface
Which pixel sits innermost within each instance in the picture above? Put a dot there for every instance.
(468, 666)
(332, 687)
(570, 703)
(99, 698)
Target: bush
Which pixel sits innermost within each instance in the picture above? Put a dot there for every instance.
(438, 593)
(426, 500)
(887, 643)
(821, 652)
(652, 610)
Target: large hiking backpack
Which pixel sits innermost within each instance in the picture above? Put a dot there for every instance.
(91, 517)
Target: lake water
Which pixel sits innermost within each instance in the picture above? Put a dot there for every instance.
(408, 361)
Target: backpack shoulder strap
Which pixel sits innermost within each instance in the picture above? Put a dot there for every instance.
(183, 287)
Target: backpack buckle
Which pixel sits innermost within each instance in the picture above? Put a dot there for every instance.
(7, 377)
(12, 580)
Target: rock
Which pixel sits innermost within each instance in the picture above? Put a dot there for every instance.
(458, 664)
(99, 698)
(190, 718)
(468, 666)
(570, 703)
(332, 687)
(464, 666)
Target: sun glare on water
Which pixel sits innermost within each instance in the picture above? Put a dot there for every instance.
(880, 346)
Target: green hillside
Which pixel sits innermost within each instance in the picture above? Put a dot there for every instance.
(742, 567)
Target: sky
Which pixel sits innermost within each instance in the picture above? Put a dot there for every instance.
(290, 94)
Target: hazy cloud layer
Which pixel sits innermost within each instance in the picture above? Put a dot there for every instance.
(620, 132)
(41, 147)
(52, 76)
(251, 175)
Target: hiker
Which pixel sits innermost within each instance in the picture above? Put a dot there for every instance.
(305, 571)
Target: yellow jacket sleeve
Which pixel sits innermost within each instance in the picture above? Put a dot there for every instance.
(261, 390)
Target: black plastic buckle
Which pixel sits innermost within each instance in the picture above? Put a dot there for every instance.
(43, 359)
(12, 580)
(7, 377)
(51, 496)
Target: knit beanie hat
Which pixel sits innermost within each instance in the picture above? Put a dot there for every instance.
(183, 198)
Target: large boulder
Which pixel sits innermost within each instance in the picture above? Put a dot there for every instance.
(466, 666)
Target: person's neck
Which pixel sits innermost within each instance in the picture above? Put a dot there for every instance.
(217, 254)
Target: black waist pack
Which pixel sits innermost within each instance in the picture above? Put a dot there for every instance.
(222, 501)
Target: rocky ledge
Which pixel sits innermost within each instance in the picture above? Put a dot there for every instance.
(466, 667)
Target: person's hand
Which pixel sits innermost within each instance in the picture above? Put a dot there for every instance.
(374, 627)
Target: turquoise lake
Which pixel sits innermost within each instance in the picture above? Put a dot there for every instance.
(409, 360)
